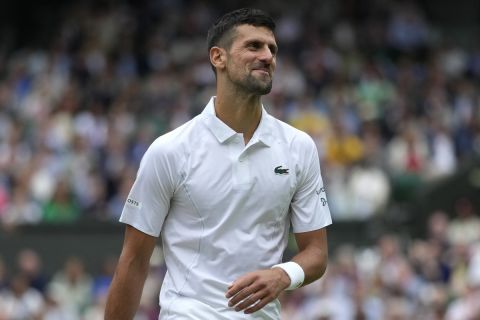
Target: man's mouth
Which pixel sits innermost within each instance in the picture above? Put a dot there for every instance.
(262, 70)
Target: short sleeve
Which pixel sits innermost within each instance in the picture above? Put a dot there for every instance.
(148, 201)
(309, 206)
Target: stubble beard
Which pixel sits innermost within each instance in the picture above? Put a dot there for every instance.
(257, 86)
(253, 85)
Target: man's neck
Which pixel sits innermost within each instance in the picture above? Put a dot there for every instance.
(242, 113)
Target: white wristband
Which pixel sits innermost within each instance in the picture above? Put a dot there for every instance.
(294, 271)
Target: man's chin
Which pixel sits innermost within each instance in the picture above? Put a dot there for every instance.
(261, 88)
(258, 86)
(264, 91)
(264, 87)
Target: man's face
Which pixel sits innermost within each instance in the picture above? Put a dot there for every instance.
(251, 59)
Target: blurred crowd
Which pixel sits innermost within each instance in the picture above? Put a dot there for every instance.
(387, 98)
(434, 278)
(391, 102)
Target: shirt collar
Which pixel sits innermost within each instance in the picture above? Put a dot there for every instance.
(222, 132)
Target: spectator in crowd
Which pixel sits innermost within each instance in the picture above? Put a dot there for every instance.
(21, 209)
(443, 160)
(342, 147)
(466, 306)
(54, 311)
(20, 301)
(437, 229)
(366, 202)
(407, 156)
(464, 229)
(29, 264)
(62, 208)
(71, 288)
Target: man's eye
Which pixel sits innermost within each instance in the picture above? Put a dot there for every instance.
(254, 45)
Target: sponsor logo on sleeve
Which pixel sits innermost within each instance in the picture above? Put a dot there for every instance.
(322, 199)
(134, 203)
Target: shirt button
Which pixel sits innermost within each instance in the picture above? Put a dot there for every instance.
(241, 159)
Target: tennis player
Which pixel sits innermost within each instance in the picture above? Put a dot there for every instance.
(223, 191)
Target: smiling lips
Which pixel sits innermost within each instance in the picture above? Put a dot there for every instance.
(262, 70)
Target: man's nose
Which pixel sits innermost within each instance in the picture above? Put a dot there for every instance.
(266, 55)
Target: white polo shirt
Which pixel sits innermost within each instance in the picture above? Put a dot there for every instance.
(224, 208)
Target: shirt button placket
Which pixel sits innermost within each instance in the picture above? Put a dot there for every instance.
(243, 170)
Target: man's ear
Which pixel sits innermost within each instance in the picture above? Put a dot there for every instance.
(218, 57)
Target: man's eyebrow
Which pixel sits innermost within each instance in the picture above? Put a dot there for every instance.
(271, 45)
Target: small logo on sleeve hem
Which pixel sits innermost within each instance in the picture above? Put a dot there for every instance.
(134, 203)
(322, 199)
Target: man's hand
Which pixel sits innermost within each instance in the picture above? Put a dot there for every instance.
(253, 291)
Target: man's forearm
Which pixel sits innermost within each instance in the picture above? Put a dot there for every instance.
(313, 262)
(126, 290)
(313, 254)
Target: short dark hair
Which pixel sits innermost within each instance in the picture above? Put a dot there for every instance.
(226, 24)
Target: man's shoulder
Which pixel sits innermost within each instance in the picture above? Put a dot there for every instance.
(176, 139)
(289, 134)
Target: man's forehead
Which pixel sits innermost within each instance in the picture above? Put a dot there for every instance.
(245, 31)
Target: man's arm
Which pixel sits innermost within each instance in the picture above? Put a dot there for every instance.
(132, 269)
(313, 254)
(255, 290)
